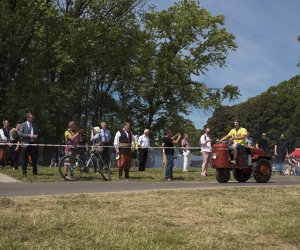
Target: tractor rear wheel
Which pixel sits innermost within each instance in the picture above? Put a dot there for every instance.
(242, 175)
(262, 171)
(222, 175)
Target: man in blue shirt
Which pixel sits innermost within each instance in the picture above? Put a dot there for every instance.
(106, 137)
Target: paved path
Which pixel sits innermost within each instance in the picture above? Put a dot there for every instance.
(7, 179)
(33, 189)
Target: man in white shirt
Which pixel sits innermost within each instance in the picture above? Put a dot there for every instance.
(143, 144)
(205, 142)
(122, 143)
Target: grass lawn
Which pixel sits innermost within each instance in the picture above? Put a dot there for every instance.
(238, 218)
(46, 174)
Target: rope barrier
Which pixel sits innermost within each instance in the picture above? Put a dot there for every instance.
(76, 146)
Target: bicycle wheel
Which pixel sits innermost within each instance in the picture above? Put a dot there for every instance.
(70, 168)
(104, 170)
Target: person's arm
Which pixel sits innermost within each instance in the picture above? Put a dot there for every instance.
(177, 140)
(22, 134)
(257, 146)
(275, 150)
(2, 136)
(226, 137)
(117, 141)
(204, 140)
(72, 137)
(139, 142)
(95, 137)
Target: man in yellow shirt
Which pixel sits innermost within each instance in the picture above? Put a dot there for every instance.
(238, 135)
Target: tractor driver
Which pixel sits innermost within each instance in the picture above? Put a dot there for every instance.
(238, 135)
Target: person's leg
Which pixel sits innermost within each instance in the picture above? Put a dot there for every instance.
(128, 162)
(145, 158)
(204, 163)
(141, 159)
(24, 160)
(33, 152)
(185, 161)
(235, 151)
(95, 162)
(169, 166)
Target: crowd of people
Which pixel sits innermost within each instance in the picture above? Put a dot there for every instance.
(127, 146)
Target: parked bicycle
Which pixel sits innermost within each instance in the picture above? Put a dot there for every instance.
(71, 167)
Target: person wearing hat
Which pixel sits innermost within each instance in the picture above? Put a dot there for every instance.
(143, 144)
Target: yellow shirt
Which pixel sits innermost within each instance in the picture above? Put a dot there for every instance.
(234, 133)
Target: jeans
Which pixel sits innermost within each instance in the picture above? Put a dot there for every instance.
(169, 167)
(280, 167)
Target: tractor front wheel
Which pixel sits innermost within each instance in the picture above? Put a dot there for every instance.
(262, 171)
(222, 175)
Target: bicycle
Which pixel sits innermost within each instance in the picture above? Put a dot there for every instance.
(71, 167)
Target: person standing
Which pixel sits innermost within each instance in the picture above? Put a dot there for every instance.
(72, 138)
(96, 140)
(263, 143)
(4, 138)
(143, 144)
(14, 150)
(281, 151)
(29, 135)
(185, 144)
(134, 149)
(205, 142)
(168, 144)
(122, 143)
(105, 137)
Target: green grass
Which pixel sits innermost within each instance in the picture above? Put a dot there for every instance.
(238, 218)
(46, 174)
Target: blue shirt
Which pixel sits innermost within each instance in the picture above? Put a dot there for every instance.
(105, 135)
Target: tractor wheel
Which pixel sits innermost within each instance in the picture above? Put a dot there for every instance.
(241, 175)
(222, 175)
(262, 171)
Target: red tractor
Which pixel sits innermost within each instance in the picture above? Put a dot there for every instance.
(250, 162)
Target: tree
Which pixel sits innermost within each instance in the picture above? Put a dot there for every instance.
(275, 111)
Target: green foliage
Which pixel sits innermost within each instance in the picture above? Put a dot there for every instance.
(275, 111)
(92, 60)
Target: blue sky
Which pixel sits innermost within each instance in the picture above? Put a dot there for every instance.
(266, 33)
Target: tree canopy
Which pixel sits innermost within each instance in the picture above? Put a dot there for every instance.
(275, 111)
(112, 60)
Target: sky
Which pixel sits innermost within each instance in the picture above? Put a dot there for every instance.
(266, 33)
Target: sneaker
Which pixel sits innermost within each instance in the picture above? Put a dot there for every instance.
(24, 174)
(67, 177)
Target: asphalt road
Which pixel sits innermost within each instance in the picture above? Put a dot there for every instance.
(59, 188)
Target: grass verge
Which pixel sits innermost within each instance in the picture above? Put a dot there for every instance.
(239, 218)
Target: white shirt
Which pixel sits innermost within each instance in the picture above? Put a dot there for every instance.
(28, 124)
(205, 143)
(117, 138)
(2, 136)
(144, 141)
